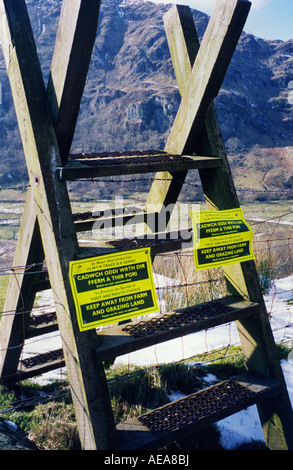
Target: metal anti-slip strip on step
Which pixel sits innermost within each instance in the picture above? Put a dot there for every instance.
(42, 319)
(190, 414)
(94, 165)
(93, 160)
(42, 323)
(195, 407)
(186, 317)
(41, 359)
(139, 334)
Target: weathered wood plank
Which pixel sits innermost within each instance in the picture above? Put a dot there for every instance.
(218, 186)
(40, 364)
(43, 320)
(70, 64)
(101, 167)
(88, 221)
(194, 412)
(141, 334)
(183, 43)
(183, 46)
(208, 72)
(20, 297)
(179, 28)
(87, 380)
(203, 83)
(255, 333)
(159, 242)
(67, 77)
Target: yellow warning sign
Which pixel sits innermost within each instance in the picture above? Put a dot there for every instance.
(113, 287)
(220, 238)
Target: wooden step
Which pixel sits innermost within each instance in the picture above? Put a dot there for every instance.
(135, 335)
(95, 165)
(84, 221)
(191, 414)
(39, 364)
(159, 242)
(42, 320)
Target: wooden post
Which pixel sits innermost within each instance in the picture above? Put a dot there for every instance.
(20, 297)
(69, 69)
(208, 72)
(255, 332)
(202, 84)
(71, 59)
(50, 198)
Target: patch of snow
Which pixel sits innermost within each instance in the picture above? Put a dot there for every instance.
(240, 428)
(11, 425)
(173, 396)
(244, 427)
(210, 379)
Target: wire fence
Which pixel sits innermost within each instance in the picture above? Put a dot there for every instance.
(178, 285)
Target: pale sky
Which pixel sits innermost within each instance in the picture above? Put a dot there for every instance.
(268, 19)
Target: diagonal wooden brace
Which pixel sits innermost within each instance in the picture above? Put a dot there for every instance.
(183, 43)
(208, 72)
(197, 87)
(69, 69)
(255, 333)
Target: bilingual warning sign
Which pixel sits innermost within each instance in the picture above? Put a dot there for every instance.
(221, 238)
(112, 288)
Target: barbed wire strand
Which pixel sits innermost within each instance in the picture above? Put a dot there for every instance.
(270, 272)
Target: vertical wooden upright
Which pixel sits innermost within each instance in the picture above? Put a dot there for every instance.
(48, 209)
(255, 332)
(47, 120)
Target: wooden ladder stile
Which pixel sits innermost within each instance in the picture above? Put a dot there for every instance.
(48, 239)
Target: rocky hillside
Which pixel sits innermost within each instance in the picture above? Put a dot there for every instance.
(131, 97)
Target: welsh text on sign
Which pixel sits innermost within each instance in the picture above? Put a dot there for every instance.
(221, 238)
(112, 288)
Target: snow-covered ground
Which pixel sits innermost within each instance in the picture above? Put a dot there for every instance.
(241, 427)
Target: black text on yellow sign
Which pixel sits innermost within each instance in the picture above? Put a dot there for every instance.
(221, 238)
(114, 287)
